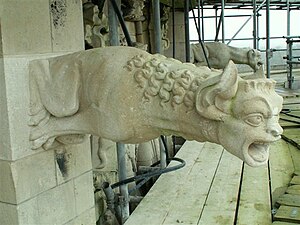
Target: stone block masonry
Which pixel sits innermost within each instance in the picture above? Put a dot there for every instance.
(33, 189)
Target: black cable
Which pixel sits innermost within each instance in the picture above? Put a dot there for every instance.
(139, 185)
(151, 174)
(122, 22)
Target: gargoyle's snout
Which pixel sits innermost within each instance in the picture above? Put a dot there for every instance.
(275, 130)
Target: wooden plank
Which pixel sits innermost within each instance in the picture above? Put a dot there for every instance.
(291, 102)
(221, 203)
(287, 121)
(255, 204)
(282, 223)
(288, 214)
(289, 200)
(293, 189)
(191, 199)
(287, 124)
(295, 180)
(294, 134)
(157, 203)
(281, 168)
(291, 131)
(295, 153)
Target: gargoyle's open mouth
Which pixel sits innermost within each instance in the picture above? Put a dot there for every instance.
(259, 151)
(258, 65)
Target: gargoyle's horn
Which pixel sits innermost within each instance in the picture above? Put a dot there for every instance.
(228, 82)
(212, 102)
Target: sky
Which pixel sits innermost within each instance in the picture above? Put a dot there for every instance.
(278, 26)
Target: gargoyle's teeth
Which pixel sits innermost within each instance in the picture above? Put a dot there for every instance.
(259, 151)
(260, 143)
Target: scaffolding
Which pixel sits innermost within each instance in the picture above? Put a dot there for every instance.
(256, 7)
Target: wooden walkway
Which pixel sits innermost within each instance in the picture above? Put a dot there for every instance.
(216, 188)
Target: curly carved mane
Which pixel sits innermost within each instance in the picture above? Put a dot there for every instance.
(159, 76)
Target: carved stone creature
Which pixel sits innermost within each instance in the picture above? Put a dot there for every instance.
(128, 95)
(95, 26)
(133, 9)
(220, 54)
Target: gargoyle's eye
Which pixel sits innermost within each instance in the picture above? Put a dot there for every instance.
(254, 119)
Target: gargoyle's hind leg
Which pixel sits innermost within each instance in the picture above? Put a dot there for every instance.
(37, 112)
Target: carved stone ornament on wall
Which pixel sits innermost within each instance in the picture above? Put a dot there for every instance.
(164, 20)
(96, 29)
(133, 10)
(128, 95)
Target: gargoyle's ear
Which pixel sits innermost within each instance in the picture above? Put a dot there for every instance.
(213, 102)
(251, 53)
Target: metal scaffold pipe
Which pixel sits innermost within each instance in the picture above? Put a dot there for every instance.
(268, 48)
(222, 17)
(254, 25)
(113, 25)
(199, 21)
(288, 11)
(187, 31)
(199, 38)
(156, 26)
(116, 7)
(255, 10)
(173, 28)
(124, 198)
(202, 20)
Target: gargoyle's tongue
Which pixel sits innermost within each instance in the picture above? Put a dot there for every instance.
(259, 152)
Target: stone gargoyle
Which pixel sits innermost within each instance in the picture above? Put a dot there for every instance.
(219, 54)
(128, 95)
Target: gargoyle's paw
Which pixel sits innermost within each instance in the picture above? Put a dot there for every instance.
(50, 143)
(259, 151)
(39, 119)
(35, 144)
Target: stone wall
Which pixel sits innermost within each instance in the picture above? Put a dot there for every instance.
(179, 37)
(32, 187)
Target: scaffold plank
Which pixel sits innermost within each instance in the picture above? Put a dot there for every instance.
(281, 167)
(193, 196)
(222, 200)
(255, 203)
